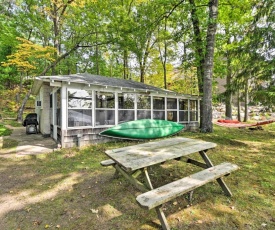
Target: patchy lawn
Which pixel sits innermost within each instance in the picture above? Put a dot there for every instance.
(4, 131)
(69, 189)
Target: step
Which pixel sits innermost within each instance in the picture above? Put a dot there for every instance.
(108, 162)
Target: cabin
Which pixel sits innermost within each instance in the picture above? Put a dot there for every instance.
(74, 109)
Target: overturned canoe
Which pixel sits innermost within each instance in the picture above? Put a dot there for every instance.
(143, 129)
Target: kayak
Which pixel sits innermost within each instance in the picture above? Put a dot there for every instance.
(229, 121)
(143, 129)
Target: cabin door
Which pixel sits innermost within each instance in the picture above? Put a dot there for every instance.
(55, 114)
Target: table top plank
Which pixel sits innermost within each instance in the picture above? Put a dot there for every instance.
(147, 154)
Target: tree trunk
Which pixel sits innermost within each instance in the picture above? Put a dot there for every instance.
(97, 55)
(246, 101)
(125, 65)
(207, 125)
(229, 77)
(200, 58)
(165, 58)
(143, 60)
(142, 72)
(228, 92)
(21, 83)
(55, 19)
(21, 109)
(239, 106)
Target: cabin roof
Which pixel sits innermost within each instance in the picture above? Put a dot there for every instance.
(85, 78)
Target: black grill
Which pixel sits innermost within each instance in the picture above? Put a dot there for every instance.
(31, 123)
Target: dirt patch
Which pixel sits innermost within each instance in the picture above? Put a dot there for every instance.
(20, 144)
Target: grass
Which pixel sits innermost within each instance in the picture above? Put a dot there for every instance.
(13, 123)
(4, 131)
(69, 189)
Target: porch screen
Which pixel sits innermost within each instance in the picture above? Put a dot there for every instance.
(158, 108)
(193, 110)
(126, 107)
(183, 110)
(143, 107)
(79, 108)
(105, 108)
(172, 109)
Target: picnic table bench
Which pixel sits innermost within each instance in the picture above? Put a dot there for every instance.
(133, 161)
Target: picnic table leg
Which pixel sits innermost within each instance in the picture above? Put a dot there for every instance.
(158, 209)
(116, 174)
(132, 179)
(219, 180)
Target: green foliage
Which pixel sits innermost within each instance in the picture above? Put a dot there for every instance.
(4, 131)
(265, 96)
(143, 40)
(29, 56)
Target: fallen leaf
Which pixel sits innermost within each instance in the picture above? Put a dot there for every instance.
(94, 211)
(37, 222)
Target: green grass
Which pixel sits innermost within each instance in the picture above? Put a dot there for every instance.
(13, 123)
(66, 188)
(4, 131)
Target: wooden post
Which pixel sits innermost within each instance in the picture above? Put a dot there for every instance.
(158, 209)
(219, 180)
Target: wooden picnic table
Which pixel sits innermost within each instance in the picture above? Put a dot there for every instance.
(134, 161)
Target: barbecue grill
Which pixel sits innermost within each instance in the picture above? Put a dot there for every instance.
(31, 123)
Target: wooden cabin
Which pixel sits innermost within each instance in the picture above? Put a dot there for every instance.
(73, 109)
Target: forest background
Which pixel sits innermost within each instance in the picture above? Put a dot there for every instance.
(180, 45)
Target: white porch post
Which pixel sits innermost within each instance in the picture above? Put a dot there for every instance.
(63, 112)
(116, 108)
(189, 111)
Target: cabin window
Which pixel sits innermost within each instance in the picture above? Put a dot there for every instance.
(159, 108)
(143, 107)
(183, 110)
(126, 107)
(105, 108)
(79, 108)
(193, 110)
(172, 109)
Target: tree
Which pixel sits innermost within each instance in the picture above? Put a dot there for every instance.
(206, 124)
(26, 59)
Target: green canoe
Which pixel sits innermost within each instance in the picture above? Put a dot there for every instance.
(143, 129)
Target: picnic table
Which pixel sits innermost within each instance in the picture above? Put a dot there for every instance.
(133, 162)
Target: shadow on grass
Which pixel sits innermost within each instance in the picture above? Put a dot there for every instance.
(69, 189)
